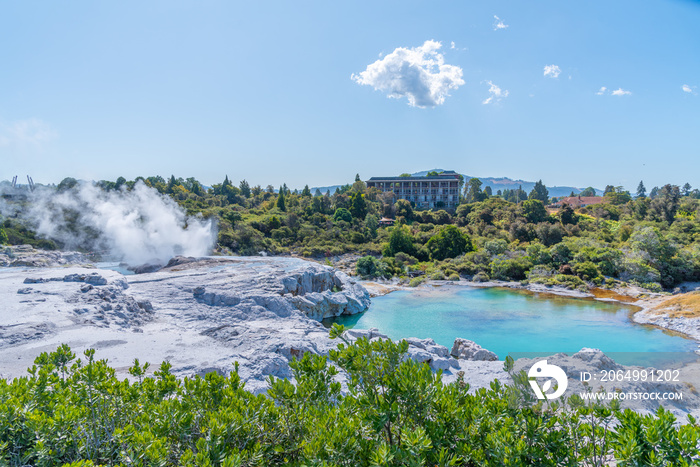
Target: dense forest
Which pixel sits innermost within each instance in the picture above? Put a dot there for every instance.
(649, 240)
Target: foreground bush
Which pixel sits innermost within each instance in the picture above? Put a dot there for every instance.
(396, 412)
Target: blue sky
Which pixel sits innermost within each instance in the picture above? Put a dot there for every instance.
(274, 91)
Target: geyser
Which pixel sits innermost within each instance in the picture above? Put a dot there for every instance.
(138, 226)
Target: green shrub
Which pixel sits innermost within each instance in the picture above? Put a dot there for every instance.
(396, 412)
(453, 277)
(510, 269)
(586, 270)
(449, 242)
(438, 276)
(369, 267)
(481, 277)
(416, 281)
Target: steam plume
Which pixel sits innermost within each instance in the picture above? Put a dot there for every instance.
(138, 227)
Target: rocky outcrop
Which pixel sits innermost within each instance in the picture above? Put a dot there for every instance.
(28, 256)
(470, 350)
(318, 291)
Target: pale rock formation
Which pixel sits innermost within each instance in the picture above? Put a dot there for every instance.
(470, 350)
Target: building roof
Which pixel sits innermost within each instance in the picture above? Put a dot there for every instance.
(442, 177)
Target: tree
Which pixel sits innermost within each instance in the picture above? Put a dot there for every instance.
(567, 216)
(317, 193)
(245, 188)
(534, 211)
(432, 173)
(488, 191)
(687, 189)
(280, 200)
(368, 267)
(590, 191)
(358, 206)
(3, 237)
(641, 190)
(191, 184)
(121, 181)
(608, 189)
(472, 191)
(664, 206)
(400, 240)
(618, 196)
(357, 178)
(403, 208)
(450, 242)
(539, 192)
(66, 184)
(306, 192)
(342, 214)
(654, 192)
(372, 225)
(404, 175)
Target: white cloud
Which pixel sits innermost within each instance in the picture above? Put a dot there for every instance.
(498, 24)
(29, 132)
(621, 92)
(452, 45)
(419, 74)
(496, 94)
(552, 71)
(617, 92)
(689, 89)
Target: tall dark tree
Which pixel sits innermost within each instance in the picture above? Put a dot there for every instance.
(245, 188)
(357, 178)
(488, 191)
(539, 192)
(641, 190)
(608, 189)
(306, 191)
(280, 200)
(687, 189)
(358, 206)
(654, 192)
(590, 191)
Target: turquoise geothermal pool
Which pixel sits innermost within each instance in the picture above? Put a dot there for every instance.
(514, 322)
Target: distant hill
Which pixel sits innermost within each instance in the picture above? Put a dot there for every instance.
(496, 183)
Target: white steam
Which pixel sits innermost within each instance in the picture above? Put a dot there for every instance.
(138, 227)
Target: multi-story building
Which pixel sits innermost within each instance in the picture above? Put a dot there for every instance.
(430, 192)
